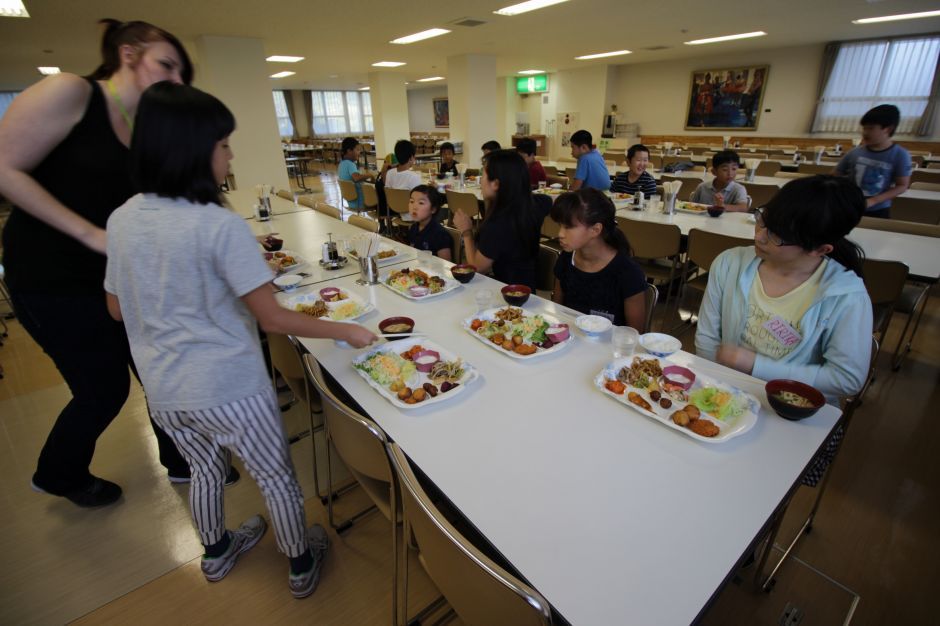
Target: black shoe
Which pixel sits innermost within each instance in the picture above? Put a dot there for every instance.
(232, 478)
(99, 492)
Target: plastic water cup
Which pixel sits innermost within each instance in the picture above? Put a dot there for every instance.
(542, 185)
(425, 259)
(624, 340)
(653, 204)
(483, 298)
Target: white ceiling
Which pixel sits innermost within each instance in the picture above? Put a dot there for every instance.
(344, 37)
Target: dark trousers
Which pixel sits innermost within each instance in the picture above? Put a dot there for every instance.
(91, 352)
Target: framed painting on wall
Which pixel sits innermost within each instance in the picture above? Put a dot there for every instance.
(441, 112)
(726, 99)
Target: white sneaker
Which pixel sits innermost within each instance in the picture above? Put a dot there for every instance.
(243, 539)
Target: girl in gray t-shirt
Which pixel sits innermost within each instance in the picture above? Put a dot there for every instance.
(187, 278)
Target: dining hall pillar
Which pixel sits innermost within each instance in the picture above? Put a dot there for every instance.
(233, 70)
(389, 112)
(471, 91)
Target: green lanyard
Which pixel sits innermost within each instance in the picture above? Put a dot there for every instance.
(117, 99)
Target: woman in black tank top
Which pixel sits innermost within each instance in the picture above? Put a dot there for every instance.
(64, 165)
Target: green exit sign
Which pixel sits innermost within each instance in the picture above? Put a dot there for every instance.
(532, 84)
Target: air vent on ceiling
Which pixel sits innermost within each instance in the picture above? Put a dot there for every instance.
(654, 48)
(469, 22)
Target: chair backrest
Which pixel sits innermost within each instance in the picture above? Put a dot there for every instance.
(926, 186)
(760, 194)
(652, 295)
(900, 226)
(656, 161)
(570, 172)
(884, 280)
(286, 359)
(619, 158)
(791, 174)
(651, 240)
(550, 228)
(688, 185)
(364, 223)
(347, 189)
(370, 198)
(358, 440)
(327, 209)
(545, 268)
(768, 168)
(705, 245)
(933, 165)
(463, 201)
(550, 170)
(560, 180)
(398, 200)
(812, 169)
(925, 176)
(478, 589)
(286, 194)
(915, 210)
(456, 244)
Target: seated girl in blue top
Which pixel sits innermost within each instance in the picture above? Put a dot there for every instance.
(637, 179)
(794, 305)
(427, 233)
(596, 273)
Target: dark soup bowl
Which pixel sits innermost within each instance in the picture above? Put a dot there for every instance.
(396, 325)
(793, 400)
(463, 273)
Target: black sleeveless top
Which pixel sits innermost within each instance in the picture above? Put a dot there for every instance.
(88, 172)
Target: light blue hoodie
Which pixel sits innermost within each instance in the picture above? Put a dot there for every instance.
(834, 353)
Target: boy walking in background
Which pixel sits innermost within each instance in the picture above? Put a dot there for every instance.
(880, 167)
(591, 171)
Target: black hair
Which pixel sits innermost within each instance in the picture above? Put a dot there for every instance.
(637, 147)
(590, 206)
(725, 156)
(136, 34)
(404, 150)
(174, 138)
(349, 143)
(526, 145)
(884, 115)
(447, 146)
(582, 138)
(514, 196)
(817, 210)
(435, 197)
(492, 145)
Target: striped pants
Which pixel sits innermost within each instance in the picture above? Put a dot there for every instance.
(252, 429)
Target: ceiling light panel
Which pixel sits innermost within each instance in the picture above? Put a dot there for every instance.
(388, 64)
(527, 72)
(525, 7)
(282, 74)
(424, 34)
(283, 59)
(48, 71)
(698, 42)
(895, 18)
(430, 78)
(600, 55)
(12, 8)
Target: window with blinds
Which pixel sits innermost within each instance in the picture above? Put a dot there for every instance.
(284, 124)
(869, 73)
(341, 112)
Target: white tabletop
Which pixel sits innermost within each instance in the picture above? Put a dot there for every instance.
(244, 199)
(600, 508)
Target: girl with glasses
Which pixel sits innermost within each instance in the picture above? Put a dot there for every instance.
(794, 305)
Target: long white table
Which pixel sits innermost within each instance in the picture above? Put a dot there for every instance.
(615, 518)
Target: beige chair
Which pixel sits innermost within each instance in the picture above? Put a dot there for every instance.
(656, 162)
(560, 180)
(456, 244)
(849, 405)
(327, 209)
(287, 360)
(286, 194)
(308, 201)
(370, 198)
(884, 281)
(915, 210)
(570, 172)
(545, 269)
(791, 175)
(812, 169)
(926, 186)
(347, 189)
(477, 588)
(703, 247)
(619, 158)
(652, 296)
(463, 201)
(760, 194)
(933, 165)
(925, 176)
(566, 159)
(653, 243)
(364, 223)
(361, 445)
(768, 168)
(397, 200)
(550, 170)
(688, 185)
(900, 226)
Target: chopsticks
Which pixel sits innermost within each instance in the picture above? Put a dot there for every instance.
(399, 335)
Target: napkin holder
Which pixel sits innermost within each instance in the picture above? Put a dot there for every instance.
(368, 271)
(669, 202)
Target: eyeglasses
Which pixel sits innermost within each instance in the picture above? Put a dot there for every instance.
(771, 237)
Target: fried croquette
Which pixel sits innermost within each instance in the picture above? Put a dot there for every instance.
(704, 428)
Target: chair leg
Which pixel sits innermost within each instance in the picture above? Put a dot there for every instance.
(919, 307)
(332, 494)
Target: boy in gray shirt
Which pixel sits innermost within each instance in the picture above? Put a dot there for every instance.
(723, 191)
